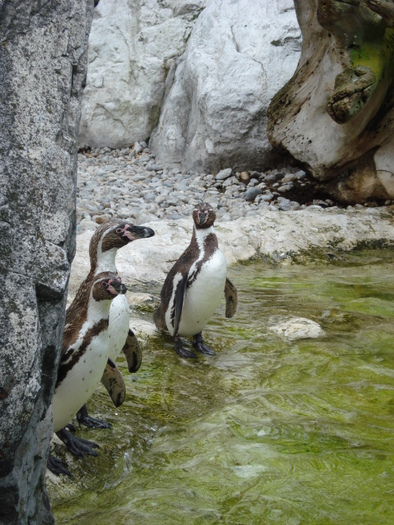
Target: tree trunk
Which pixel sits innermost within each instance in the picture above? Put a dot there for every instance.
(335, 116)
(43, 57)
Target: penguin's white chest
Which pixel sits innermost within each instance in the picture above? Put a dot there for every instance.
(81, 381)
(204, 295)
(119, 319)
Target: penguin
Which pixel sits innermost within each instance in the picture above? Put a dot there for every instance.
(84, 354)
(194, 286)
(104, 244)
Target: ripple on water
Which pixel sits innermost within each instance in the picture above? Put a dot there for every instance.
(266, 431)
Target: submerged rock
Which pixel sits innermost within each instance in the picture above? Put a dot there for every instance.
(294, 328)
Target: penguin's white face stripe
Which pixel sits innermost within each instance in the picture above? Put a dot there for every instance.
(201, 235)
(105, 260)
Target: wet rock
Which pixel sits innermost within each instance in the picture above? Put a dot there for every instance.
(294, 328)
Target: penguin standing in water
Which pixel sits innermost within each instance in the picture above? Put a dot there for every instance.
(103, 247)
(85, 349)
(194, 286)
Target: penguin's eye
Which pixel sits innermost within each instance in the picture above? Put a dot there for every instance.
(104, 284)
(119, 230)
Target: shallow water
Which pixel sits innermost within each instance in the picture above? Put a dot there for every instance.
(267, 431)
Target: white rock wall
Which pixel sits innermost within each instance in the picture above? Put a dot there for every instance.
(218, 82)
(132, 45)
(240, 54)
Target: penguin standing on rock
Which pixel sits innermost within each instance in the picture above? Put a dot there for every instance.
(103, 247)
(194, 286)
(85, 349)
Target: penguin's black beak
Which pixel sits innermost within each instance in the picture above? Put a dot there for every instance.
(119, 287)
(132, 233)
(202, 217)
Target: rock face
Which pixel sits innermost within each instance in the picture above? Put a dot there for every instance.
(133, 45)
(43, 60)
(240, 52)
(214, 113)
(335, 115)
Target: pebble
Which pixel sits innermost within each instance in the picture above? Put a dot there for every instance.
(129, 184)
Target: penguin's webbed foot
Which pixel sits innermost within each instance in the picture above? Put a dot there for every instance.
(57, 466)
(77, 446)
(90, 422)
(180, 350)
(199, 345)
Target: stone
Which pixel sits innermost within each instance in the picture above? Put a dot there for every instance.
(294, 328)
(251, 193)
(224, 174)
(343, 132)
(239, 54)
(43, 61)
(132, 48)
(244, 177)
(138, 148)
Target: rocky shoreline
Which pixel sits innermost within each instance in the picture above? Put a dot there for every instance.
(257, 214)
(129, 184)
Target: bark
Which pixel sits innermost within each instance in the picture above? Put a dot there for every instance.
(336, 115)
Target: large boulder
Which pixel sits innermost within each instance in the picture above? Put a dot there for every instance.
(335, 115)
(132, 47)
(214, 113)
(43, 60)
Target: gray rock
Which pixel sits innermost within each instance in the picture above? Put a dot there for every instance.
(224, 174)
(251, 193)
(138, 148)
(285, 187)
(294, 328)
(132, 48)
(219, 90)
(43, 66)
(284, 204)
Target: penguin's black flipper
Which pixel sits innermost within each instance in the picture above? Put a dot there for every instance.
(77, 446)
(89, 421)
(113, 381)
(133, 352)
(231, 296)
(178, 299)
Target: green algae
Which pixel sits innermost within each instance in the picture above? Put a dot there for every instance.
(267, 430)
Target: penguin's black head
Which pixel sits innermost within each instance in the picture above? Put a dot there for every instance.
(116, 235)
(204, 215)
(107, 286)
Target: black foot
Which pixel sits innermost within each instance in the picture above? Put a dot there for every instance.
(90, 422)
(57, 466)
(180, 350)
(200, 346)
(77, 446)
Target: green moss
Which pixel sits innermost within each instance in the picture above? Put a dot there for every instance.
(266, 431)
